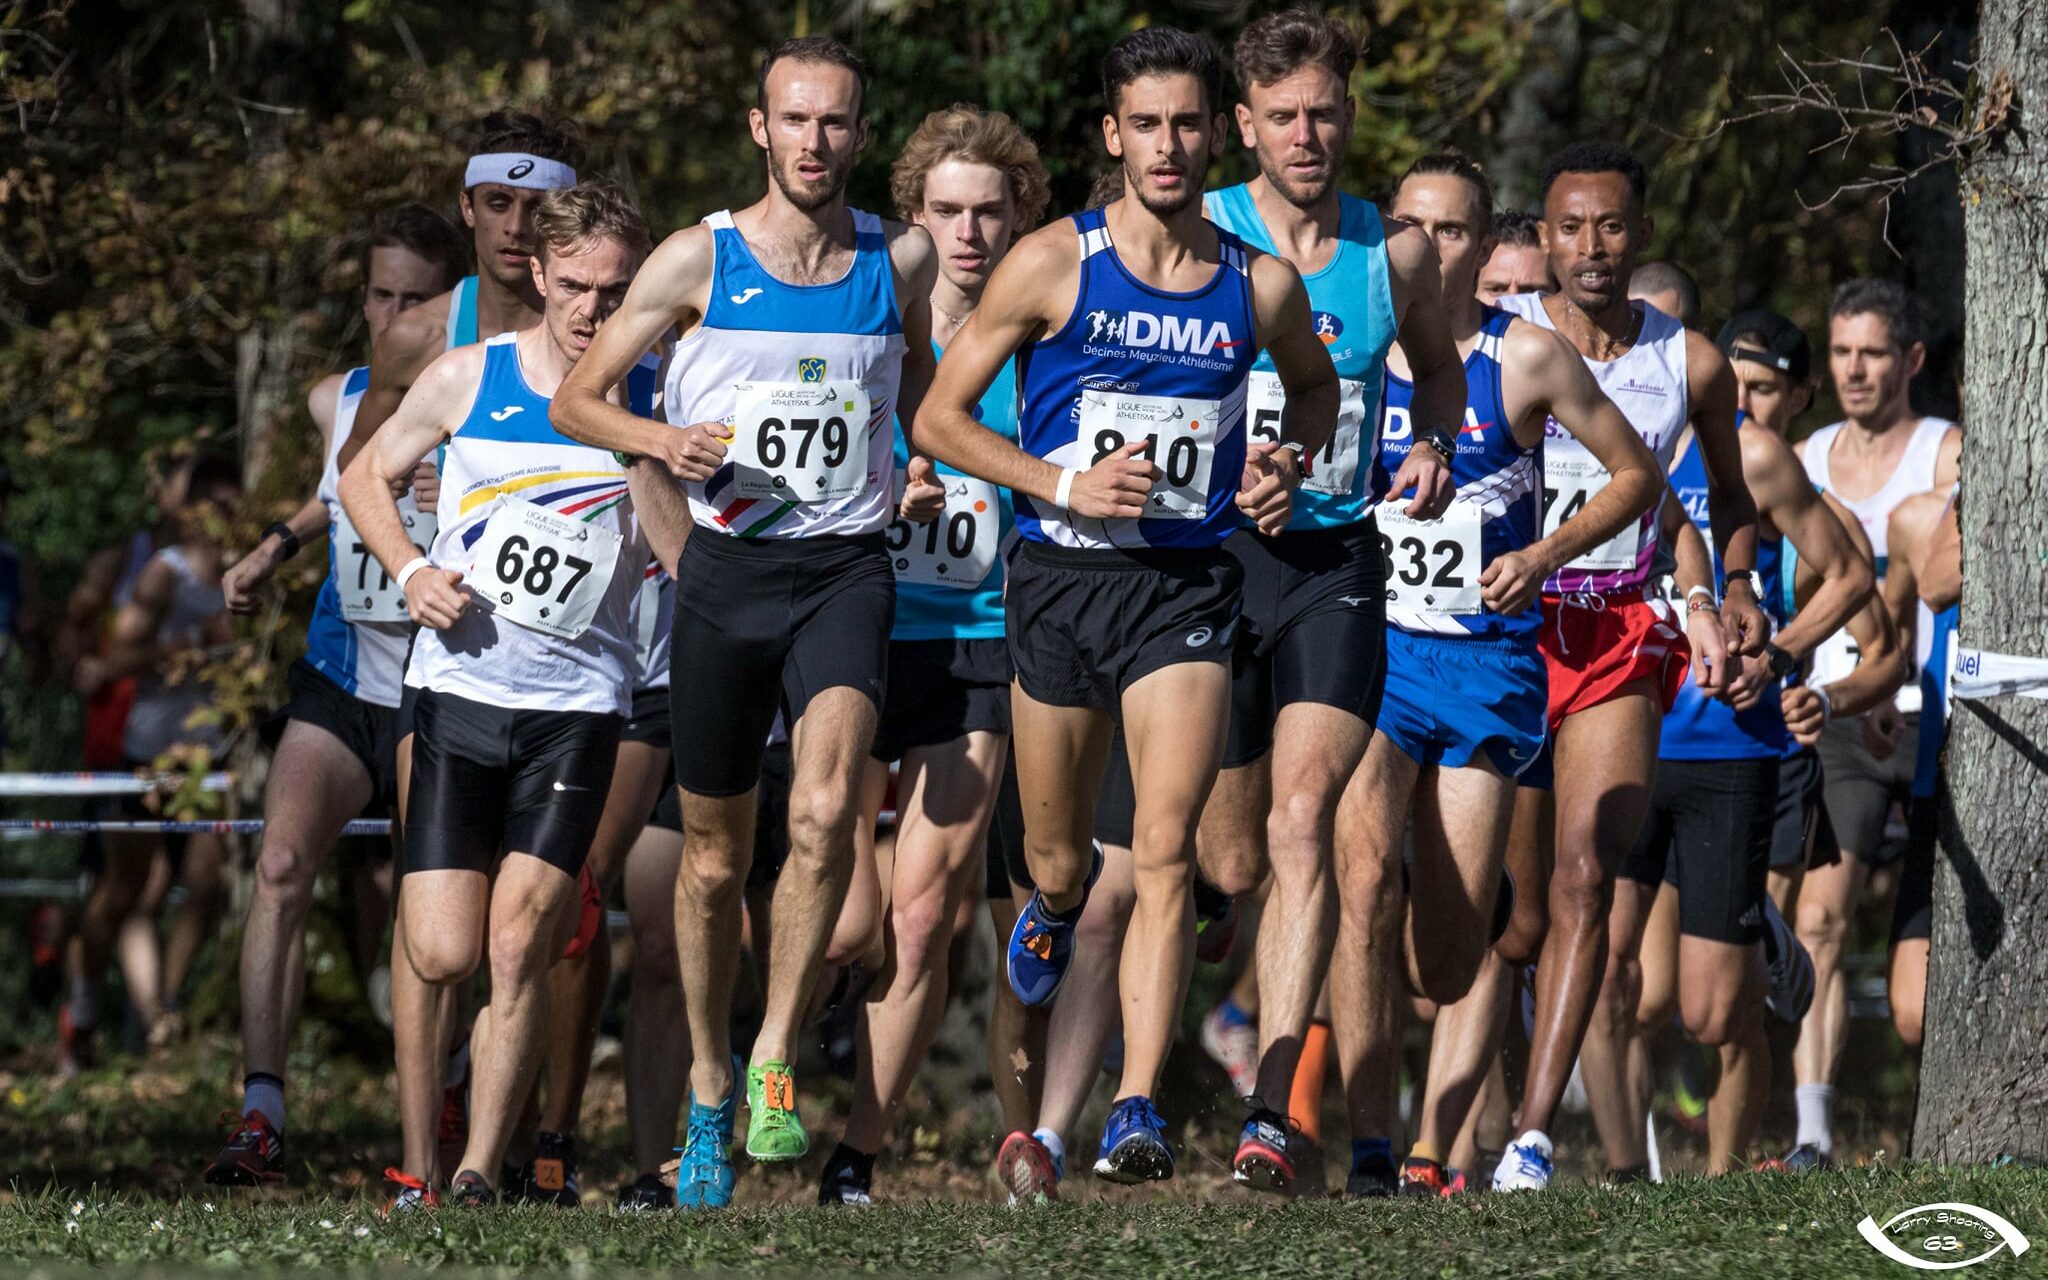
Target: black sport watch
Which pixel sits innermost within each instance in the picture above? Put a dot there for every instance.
(1781, 661)
(1442, 439)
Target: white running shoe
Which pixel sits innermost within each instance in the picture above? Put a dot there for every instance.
(1525, 1165)
(1235, 1047)
(1791, 968)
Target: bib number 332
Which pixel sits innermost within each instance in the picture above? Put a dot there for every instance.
(799, 441)
(544, 571)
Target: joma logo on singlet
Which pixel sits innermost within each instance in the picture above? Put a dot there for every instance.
(1142, 329)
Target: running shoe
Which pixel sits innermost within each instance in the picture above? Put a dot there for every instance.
(1799, 1159)
(1457, 1186)
(471, 1190)
(1134, 1147)
(1027, 1170)
(1630, 1176)
(1790, 966)
(75, 1051)
(842, 1184)
(704, 1178)
(1525, 1165)
(551, 1178)
(1263, 1161)
(412, 1193)
(1215, 923)
(1233, 1041)
(646, 1193)
(774, 1130)
(1373, 1178)
(254, 1153)
(1422, 1180)
(1042, 944)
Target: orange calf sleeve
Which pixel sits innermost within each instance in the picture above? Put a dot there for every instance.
(1305, 1100)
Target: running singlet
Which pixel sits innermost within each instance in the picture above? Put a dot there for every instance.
(1433, 567)
(1352, 299)
(1934, 699)
(1136, 363)
(364, 654)
(1647, 383)
(157, 721)
(462, 314)
(1836, 656)
(1701, 728)
(949, 573)
(544, 534)
(806, 377)
(653, 615)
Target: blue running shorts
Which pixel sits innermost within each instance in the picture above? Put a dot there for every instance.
(1449, 699)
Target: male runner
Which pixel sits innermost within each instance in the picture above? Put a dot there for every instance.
(525, 655)
(1668, 287)
(336, 756)
(1615, 659)
(1135, 327)
(1518, 263)
(1304, 696)
(1880, 453)
(802, 321)
(1463, 712)
(973, 181)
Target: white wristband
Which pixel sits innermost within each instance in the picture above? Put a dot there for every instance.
(1062, 496)
(1706, 591)
(412, 567)
(1827, 704)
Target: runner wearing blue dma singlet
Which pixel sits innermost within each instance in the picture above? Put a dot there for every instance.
(1133, 329)
(1310, 643)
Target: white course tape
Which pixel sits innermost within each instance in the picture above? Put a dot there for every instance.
(22, 785)
(1978, 674)
(224, 827)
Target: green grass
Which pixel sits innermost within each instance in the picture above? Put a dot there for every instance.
(1773, 1225)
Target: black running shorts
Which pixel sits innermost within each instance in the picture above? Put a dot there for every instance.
(1313, 629)
(1913, 908)
(1861, 789)
(488, 781)
(1004, 859)
(1085, 625)
(370, 732)
(1709, 832)
(1802, 838)
(941, 690)
(763, 624)
(648, 722)
(1116, 805)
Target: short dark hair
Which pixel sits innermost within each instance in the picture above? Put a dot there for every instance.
(420, 231)
(1656, 277)
(813, 49)
(1904, 317)
(1452, 163)
(1279, 44)
(209, 471)
(1518, 229)
(1597, 157)
(550, 139)
(1162, 51)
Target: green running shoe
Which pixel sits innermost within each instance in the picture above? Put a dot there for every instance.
(774, 1132)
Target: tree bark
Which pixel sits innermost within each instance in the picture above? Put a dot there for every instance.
(1984, 1074)
(265, 395)
(1542, 112)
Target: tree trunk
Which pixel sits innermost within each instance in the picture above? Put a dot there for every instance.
(1984, 1075)
(265, 394)
(1542, 110)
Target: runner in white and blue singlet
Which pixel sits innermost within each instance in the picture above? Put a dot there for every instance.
(1133, 329)
(1311, 657)
(1462, 715)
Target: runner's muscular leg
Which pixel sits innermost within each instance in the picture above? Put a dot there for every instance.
(718, 849)
(657, 1033)
(1085, 1015)
(1827, 902)
(1461, 827)
(1014, 1029)
(1720, 996)
(857, 933)
(1366, 966)
(1604, 1054)
(1531, 853)
(1060, 752)
(1230, 843)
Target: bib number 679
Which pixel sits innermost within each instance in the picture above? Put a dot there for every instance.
(774, 448)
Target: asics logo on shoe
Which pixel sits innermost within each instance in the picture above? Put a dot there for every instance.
(501, 414)
(745, 296)
(1199, 637)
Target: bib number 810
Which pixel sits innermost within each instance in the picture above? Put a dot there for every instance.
(1182, 456)
(537, 575)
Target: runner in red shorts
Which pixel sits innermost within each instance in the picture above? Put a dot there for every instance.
(1615, 656)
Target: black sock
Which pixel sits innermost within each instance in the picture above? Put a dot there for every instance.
(1209, 900)
(853, 1166)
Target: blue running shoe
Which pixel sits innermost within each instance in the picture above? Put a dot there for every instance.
(1134, 1144)
(1042, 944)
(704, 1177)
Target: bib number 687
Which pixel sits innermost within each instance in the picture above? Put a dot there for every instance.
(537, 574)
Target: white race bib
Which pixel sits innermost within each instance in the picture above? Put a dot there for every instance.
(368, 594)
(1571, 477)
(1433, 566)
(799, 441)
(957, 549)
(1334, 470)
(1181, 436)
(544, 571)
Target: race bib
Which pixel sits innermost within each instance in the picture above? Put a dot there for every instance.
(544, 571)
(1334, 470)
(368, 594)
(959, 547)
(1433, 566)
(1571, 477)
(1180, 438)
(799, 441)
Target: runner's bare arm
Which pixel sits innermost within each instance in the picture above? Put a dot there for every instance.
(916, 266)
(132, 647)
(309, 523)
(1308, 417)
(670, 293)
(427, 416)
(410, 343)
(1710, 391)
(1938, 568)
(662, 508)
(1033, 290)
(1714, 670)
(1785, 496)
(1424, 332)
(1881, 662)
(1948, 460)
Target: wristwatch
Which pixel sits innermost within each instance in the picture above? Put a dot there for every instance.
(1300, 452)
(283, 533)
(1750, 577)
(1782, 662)
(1441, 439)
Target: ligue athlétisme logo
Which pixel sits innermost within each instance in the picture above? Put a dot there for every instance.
(1943, 1237)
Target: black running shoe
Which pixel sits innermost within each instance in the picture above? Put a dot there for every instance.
(470, 1190)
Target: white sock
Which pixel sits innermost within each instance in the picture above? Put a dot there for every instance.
(1051, 1142)
(265, 1095)
(85, 1003)
(1816, 1103)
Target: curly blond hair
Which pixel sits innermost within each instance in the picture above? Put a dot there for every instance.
(962, 132)
(564, 219)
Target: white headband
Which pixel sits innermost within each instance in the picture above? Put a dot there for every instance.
(518, 169)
